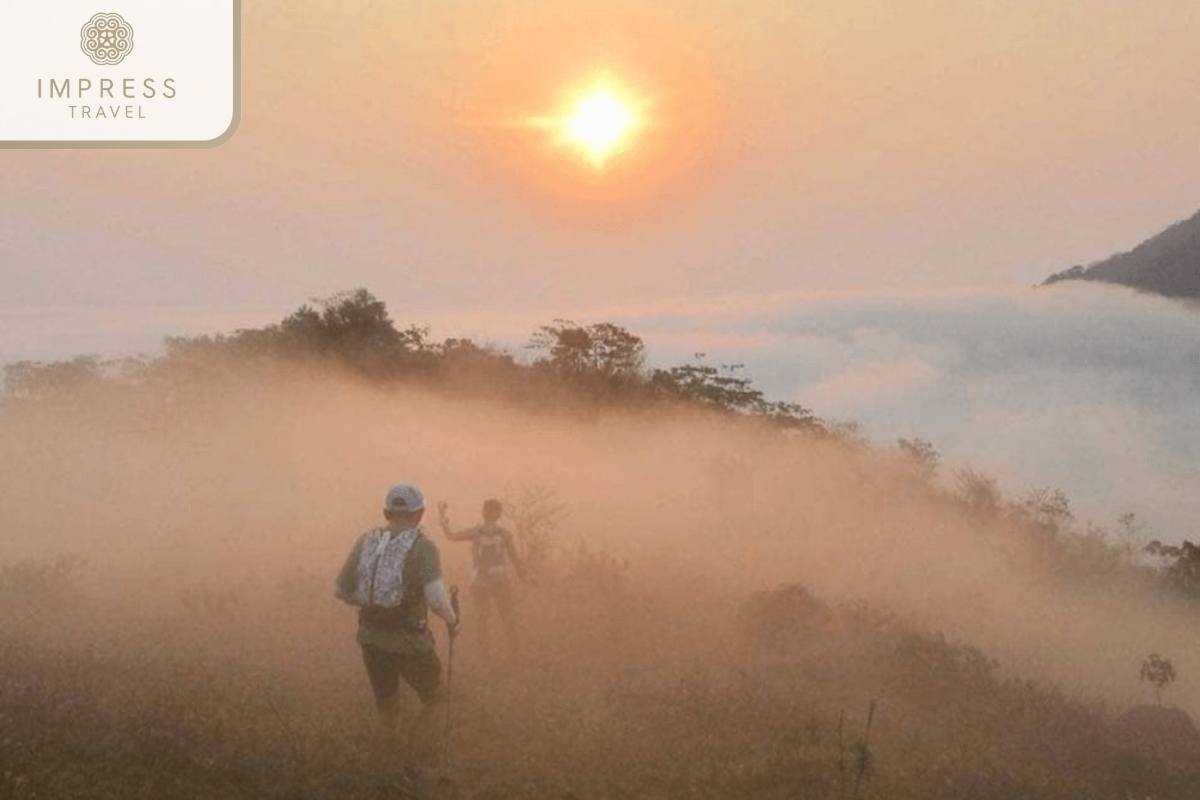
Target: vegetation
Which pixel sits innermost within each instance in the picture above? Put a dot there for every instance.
(1166, 264)
(625, 688)
(921, 455)
(1181, 566)
(1159, 671)
(757, 709)
(578, 367)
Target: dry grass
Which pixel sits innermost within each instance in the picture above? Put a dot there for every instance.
(614, 696)
(196, 651)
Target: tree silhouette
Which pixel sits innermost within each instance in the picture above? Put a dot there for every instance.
(1157, 670)
(34, 379)
(1182, 569)
(599, 364)
(921, 455)
(602, 349)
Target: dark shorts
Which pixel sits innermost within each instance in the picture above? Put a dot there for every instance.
(422, 671)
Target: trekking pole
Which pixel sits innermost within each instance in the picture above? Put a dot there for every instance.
(449, 685)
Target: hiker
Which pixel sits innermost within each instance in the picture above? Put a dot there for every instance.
(493, 562)
(393, 575)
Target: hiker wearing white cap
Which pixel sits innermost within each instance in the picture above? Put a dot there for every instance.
(393, 576)
(494, 561)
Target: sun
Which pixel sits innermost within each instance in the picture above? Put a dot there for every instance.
(599, 124)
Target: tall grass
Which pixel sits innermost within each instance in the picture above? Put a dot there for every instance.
(763, 704)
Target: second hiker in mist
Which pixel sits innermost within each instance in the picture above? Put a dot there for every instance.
(494, 564)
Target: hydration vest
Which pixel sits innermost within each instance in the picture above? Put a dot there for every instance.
(374, 573)
(489, 556)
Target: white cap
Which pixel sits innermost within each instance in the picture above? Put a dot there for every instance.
(404, 497)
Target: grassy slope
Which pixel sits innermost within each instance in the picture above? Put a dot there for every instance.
(606, 700)
(623, 690)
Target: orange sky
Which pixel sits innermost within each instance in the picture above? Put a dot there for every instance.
(814, 145)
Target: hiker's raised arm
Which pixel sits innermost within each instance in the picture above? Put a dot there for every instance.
(464, 535)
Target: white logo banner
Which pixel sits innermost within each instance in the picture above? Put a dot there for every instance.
(120, 73)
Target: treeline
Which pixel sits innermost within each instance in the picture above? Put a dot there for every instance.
(580, 366)
(587, 368)
(1166, 264)
(1076, 550)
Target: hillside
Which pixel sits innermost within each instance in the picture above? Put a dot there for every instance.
(729, 597)
(1166, 264)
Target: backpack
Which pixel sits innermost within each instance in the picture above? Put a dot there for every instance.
(490, 551)
(373, 575)
(491, 562)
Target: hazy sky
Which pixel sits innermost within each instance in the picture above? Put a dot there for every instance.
(798, 145)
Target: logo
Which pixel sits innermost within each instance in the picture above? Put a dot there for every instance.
(181, 89)
(106, 38)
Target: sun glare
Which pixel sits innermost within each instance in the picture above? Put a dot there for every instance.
(599, 123)
(596, 125)
(610, 106)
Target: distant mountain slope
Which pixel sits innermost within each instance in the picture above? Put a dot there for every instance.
(1168, 264)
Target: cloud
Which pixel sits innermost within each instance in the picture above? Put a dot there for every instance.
(875, 382)
(1087, 387)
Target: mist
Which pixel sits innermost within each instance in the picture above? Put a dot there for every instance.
(234, 488)
(1090, 388)
(1086, 387)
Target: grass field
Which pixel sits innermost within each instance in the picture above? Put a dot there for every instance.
(615, 694)
(722, 609)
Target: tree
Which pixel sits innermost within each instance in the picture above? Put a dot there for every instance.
(1181, 570)
(921, 455)
(536, 514)
(787, 415)
(1047, 507)
(1157, 670)
(709, 385)
(1131, 527)
(352, 324)
(34, 379)
(1131, 532)
(979, 491)
(601, 349)
(724, 390)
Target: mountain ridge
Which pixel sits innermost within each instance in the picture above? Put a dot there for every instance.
(1167, 264)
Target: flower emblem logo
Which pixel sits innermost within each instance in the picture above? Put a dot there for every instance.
(106, 38)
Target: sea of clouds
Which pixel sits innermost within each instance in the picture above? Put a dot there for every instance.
(1090, 388)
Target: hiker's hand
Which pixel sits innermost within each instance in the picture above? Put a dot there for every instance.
(442, 506)
(454, 629)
